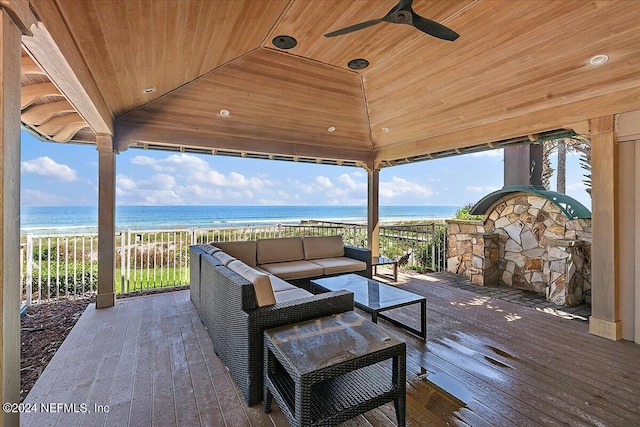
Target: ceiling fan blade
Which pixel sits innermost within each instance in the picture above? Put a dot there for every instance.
(433, 28)
(352, 28)
(402, 4)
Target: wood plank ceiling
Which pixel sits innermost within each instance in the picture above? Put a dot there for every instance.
(519, 67)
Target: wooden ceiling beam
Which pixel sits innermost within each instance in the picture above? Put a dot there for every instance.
(20, 13)
(55, 51)
(39, 114)
(129, 133)
(535, 122)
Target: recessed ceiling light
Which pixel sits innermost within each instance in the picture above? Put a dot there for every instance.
(224, 113)
(598, 60)
(358, 64)
(331, 129)
(149, 90)
(386, 129)
(284, 42)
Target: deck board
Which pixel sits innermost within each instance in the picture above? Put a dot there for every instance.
(486, 362)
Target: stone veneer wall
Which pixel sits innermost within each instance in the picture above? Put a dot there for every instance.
(538, 248)
(472, 252)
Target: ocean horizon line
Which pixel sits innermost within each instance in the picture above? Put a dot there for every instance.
(61, 219)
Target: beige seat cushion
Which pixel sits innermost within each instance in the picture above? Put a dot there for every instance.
(278, 285)
(323, 247)
(340, 265)
(293, 269)
(279, 250)
(261, 282)
(245, 251)
(297, 293)
(224, 257)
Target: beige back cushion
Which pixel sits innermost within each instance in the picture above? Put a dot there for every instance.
(323, 247)
(279, 250)
(261, 282)
(224, 257)
(245, 251)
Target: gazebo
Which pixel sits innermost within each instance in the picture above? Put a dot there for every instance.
(258, 79)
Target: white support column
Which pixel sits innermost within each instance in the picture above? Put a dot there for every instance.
(373, 210)
(106, 221)
(605, 271)
(9, 215)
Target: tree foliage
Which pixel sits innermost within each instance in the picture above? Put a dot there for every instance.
(578, 143)
(463, 212)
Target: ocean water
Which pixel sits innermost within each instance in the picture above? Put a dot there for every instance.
(84, 219)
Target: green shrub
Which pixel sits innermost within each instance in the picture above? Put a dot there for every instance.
(463, 212)
(64, 279)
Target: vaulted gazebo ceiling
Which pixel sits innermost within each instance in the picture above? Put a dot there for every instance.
(519, 68)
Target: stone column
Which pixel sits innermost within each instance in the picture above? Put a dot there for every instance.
(485, 246)
(373, 211)
(106, 221)
(9, 215)
(565, 265)
(605, 286)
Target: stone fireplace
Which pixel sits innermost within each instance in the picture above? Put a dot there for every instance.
(529, 238)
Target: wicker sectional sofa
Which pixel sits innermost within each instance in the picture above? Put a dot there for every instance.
(239, 289)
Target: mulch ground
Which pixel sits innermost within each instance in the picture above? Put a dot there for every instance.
(42, 332)
(46, 326)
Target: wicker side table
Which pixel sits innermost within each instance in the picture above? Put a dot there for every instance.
(328, 370)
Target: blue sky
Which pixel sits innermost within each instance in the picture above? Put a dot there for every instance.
(67, 175)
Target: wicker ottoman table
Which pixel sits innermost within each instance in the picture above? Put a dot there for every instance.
(328, 370)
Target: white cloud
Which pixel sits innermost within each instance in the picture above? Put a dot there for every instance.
(185, 178)
(346, 189)
(159, 197)
(143, 160)
(323, 181)
(272, 202)
(307, 188)
(187, 167)
(163, 181)
(575, 186)
(283, 194)
(47, 167)
(402, 187)
(481, 188)
(124, 183)
(351, 184)
(29, 197)
(498, 152)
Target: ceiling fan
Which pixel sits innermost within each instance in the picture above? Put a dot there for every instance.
(402, 13)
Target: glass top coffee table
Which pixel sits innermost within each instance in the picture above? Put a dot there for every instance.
(375, 297)
(381, 260)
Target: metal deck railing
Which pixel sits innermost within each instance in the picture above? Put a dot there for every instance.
(55, 267)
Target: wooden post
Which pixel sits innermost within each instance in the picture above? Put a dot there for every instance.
(373, 209)
(9, 215)
(628, 142)
(605, 286)
(106, 221)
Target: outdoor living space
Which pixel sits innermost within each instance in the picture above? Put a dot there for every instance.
(486, 361)
(403, 83)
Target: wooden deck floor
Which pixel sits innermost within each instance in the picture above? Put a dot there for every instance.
(485, 362)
